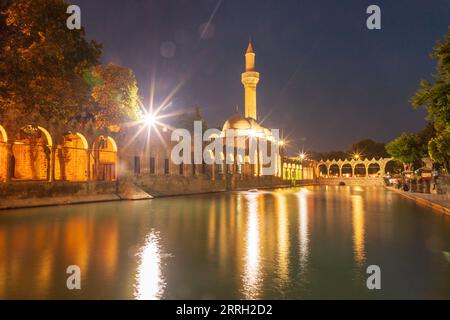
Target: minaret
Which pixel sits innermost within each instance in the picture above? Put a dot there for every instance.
(250, 79)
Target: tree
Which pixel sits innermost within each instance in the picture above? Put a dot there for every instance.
(369, 149)
(439, 147)
(186, 120)
(435, 98)
(42, 62)
(407, 148)
(115, 93)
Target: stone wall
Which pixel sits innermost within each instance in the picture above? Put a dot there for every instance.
(36, 189)
(352, 181)
(178, 185)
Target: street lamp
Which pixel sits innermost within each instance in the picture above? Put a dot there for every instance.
(150, 120)
(302, 157)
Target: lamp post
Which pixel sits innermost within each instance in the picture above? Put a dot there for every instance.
(302, 157)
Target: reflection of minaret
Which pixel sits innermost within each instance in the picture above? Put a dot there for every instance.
(250, 79)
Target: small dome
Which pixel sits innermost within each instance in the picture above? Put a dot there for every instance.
(237, 121)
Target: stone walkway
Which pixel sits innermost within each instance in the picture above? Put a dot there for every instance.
(439, 202)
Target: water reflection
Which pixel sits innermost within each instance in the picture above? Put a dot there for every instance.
(358, 229)
(288, 243)
(150, 283)
(302, 197)
(283, 238)
(251, 277)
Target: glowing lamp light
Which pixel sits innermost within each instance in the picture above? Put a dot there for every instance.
(302, 155)
(281, 142)
(150, 120)
(356, 156)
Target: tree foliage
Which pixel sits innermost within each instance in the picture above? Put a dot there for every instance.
(51, 74)
(115, 93)
(366, 148)
(406, 148)
(439, 147)
(41, 61)
(369, 149)
(435, 98)
(186, 120)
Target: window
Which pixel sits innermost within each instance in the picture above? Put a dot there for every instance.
(137, 165)
(166, 166)
(152, 165)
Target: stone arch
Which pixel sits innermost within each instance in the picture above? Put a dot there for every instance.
(346, 170)
(31, 154)
(3, 154)
(374, 169)
(333, 170)
(360, 170)
(392, 165)
(323, 170)
(104, 159)
(71, 158)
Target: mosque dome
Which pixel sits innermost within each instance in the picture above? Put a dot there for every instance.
(238, 122)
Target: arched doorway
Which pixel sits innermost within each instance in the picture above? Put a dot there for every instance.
(3, 154)
(360, 170)
(31, 154)
(334, 170)
(347, 170)
(393, 167)
(323, 172)
(71, 158)
(373, 170)
(104, 156)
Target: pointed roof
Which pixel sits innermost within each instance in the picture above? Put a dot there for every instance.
(249, 48)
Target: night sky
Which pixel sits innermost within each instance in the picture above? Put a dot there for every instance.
(326, 79)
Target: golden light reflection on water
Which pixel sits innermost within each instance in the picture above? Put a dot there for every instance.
(283, 237)
(251, 277)
(150, 283)
(302, 197)
(358, 229)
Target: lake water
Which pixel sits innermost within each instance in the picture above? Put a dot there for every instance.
(298, 243)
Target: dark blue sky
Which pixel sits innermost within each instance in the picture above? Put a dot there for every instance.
(325, 77)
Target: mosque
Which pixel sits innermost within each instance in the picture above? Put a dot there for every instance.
(88, 158)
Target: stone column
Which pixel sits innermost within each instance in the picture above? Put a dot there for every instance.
(9, 154)
(88, 165)
(52, 160)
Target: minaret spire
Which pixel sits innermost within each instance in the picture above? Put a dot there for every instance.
(250, 79)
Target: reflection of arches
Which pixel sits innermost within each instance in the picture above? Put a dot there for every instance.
(334, 170)
(360, 170)
(3, 154)
(373, 169)
(347, 170)
(104, 156)
(31, 154)
(71, 158)
(323, 171)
